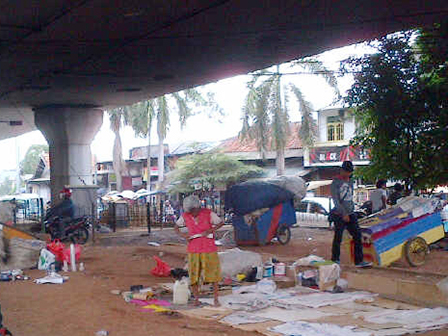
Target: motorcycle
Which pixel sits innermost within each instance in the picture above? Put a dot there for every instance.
(75, 230)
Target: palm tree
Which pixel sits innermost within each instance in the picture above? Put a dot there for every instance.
(266, 109)
(117, 117)
(140, 117)
(185, 103)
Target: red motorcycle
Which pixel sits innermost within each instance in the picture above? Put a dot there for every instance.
(73, 230)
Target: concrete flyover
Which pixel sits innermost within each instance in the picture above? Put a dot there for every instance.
(71, 55)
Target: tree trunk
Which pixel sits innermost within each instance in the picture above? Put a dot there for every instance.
(118, 160)
(161, 162)
(280, 162)
(148, 164)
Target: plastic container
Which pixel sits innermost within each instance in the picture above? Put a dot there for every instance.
(268, 270)
(280, 269)
(181, 293)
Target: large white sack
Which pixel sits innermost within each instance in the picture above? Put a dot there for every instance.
(23, 253)
(237, 261)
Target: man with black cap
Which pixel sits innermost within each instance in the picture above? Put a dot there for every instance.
(344, 216)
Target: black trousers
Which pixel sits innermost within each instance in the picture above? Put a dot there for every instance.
(353, 229)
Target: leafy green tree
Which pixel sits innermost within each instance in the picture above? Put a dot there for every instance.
(399, 96)
(6, 187)
(266, 109)
(32, 157)
(208, 171)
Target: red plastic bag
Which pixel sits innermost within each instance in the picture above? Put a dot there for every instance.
(57, 248)
(67, 254)
(162, 269)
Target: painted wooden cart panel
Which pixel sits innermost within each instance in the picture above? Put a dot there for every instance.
(384, 243)
(266, 226)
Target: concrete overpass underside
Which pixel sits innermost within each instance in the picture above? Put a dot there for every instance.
(62, 56)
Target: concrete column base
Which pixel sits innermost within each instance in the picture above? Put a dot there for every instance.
(69, 132)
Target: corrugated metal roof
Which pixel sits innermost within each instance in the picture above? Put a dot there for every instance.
(236, 144)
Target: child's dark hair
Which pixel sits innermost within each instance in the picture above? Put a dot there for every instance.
(381, 183)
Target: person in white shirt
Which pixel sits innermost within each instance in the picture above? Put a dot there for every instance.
(378, 197)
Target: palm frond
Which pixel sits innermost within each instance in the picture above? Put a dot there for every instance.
(163, 117)
(279, 116)
(307, 131)
(317, 67)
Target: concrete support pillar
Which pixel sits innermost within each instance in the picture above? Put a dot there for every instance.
(69, 131)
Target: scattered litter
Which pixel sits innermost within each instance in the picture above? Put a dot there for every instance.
(53, 278)
(155, 308)
(243, 318)
(298, 328)
(16, 274)
(115, 291)
(153, 244)
(240, 277)
(218, 243)
(82, 267)
(161, 254)
(102, 333)
(308, 260)
(136, 288)
(309, 239)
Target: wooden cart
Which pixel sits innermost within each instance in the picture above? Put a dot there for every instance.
(387, 242)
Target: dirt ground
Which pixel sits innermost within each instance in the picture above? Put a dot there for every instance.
(83, 305)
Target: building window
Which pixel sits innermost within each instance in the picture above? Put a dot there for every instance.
(335, 129)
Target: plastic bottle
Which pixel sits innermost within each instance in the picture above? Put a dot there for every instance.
(81, 267)
(181, 293)
(72, 257)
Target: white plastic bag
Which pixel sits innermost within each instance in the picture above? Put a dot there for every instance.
(45, 260)
(236, 261)
(306, 261)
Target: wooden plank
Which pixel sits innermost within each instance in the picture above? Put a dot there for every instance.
(372, 283)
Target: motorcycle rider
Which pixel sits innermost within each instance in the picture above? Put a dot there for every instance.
(65, 210)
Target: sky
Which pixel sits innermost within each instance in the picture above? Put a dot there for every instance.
(229, 94)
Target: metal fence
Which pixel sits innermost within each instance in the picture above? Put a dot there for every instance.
(135, 215)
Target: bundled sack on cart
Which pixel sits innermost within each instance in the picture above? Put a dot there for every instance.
(248, 197)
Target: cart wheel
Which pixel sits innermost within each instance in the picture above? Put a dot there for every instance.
(283, 234)
(415, 251)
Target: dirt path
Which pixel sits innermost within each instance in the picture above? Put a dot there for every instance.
(85, 305)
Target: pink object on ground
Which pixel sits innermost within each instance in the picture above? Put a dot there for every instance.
(139, 302)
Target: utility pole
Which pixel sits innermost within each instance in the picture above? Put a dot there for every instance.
(17, 165)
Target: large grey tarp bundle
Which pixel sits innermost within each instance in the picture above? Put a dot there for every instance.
(22, 254)
(246, 197)
(293, 183)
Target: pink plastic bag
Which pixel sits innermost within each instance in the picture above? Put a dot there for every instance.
(77, 254)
